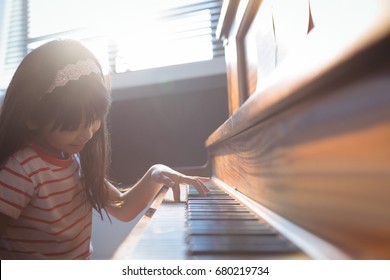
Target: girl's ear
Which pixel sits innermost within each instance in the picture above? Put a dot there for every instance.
(31, 125)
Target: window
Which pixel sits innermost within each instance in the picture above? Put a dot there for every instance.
(124, 35)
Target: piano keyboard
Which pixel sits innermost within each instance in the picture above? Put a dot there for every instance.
(216, 226)
(219, 227)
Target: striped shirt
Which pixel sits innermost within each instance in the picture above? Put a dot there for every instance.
(50, 216)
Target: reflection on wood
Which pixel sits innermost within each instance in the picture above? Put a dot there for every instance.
(322, 164)
(311, 143)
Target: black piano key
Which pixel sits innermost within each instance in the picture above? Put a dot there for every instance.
(216, 216)
(238, 244)
(216, 206)
(232, 231)
(238, 239)
(194, 224)
(211, 205)
(213, 202)
(243, 227)
(217, 209)
(212, 197)
(210, 194)
(226, 223)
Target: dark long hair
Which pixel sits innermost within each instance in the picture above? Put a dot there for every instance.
(27, 100)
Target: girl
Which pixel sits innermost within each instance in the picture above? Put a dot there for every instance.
(54, 155)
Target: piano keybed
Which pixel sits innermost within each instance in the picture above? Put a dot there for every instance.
(216, 226)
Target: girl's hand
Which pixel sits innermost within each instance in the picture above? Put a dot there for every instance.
(164, 175)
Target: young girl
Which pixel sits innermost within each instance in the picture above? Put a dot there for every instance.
(54, 156)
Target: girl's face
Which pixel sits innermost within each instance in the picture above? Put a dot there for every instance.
(58, 142)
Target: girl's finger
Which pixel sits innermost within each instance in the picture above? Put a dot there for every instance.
(200, 187)
(176, 192)
(204, 179)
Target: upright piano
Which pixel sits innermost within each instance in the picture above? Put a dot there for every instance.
(301, 169)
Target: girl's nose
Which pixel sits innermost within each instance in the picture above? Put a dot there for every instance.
(87, 133)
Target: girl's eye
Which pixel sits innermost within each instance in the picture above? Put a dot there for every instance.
(70, 128)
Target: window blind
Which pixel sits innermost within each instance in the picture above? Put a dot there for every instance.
(182, 29)
(14, 37)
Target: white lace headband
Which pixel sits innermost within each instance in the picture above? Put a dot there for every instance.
(73, 72)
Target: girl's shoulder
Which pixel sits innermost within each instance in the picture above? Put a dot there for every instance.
(24, 155)
(20, 161)
(30, 156)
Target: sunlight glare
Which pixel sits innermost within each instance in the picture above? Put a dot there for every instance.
(161, 42)
(141, 33)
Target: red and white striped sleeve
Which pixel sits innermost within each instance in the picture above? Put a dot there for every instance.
(16, 188)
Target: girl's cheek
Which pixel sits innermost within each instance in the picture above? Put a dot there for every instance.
(96, 125)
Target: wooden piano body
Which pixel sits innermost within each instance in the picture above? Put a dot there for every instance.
(307, 145)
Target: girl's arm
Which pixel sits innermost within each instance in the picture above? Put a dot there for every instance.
(141, 194)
